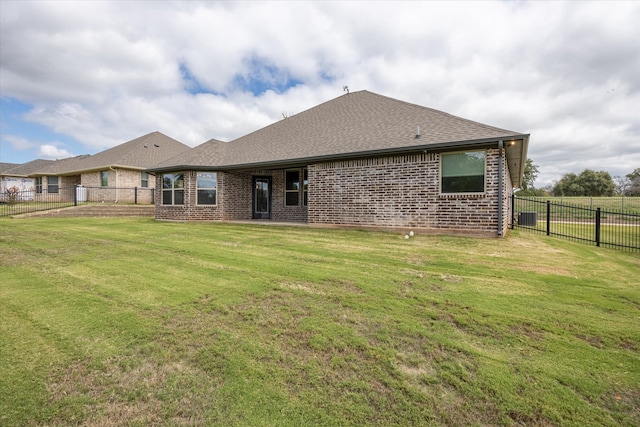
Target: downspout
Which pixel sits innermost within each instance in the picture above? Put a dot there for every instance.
(116, 171)
(500, 185)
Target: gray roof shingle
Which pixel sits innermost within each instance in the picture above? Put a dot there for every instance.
(26, 169)
(140, 153)
(4, 166)
(358, 123)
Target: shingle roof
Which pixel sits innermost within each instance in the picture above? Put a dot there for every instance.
(359, 123)
(25, 169)
(356, 123)
(4, 166)
(140, 153)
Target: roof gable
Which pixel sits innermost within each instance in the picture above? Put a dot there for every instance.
(26, 169)
(140, 153)
(356, 123)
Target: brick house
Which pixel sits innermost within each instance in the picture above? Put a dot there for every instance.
(360, 160)
(117, 174)
(17, 176)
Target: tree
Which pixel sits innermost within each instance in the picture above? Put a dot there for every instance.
(623, 183)
(587, 183)
(634, 183)
(529, 176)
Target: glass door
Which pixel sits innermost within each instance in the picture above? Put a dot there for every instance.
(261, 197)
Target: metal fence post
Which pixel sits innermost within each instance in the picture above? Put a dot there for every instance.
(75, 195)
(598, 227)
(513, 211)
(548, 217)
(135, 195)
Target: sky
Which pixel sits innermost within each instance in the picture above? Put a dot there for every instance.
(78, 77)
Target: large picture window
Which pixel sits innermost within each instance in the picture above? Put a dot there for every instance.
(292, 187)
(52, 184)
(173, 189)
(207, 185)
(463, 172)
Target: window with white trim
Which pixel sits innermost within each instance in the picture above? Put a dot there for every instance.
(144, 179)
(173, 189)
(462, 172)
(38, 184)
(206, 187)
(52, 184)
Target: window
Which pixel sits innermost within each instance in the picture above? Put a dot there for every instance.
(462, 172)
(292, 187)
(173, 189)
(144, 179)
(104, 178)
(52, 184)
(207, 184)
(39, 184)
(305, 185)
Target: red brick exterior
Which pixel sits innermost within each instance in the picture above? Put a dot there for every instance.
(396, 191)
(403, 191)
(234, 199)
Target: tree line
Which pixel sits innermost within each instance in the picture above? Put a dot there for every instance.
(586, 183)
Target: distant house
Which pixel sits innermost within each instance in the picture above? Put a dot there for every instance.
(112, 174)
(14, 175)
(360, 160)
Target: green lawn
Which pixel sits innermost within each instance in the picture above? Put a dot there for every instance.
(136, 322)
(562, 205)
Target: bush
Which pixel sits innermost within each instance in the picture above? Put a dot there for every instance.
(11, 195)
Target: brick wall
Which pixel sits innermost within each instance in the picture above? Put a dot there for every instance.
(65, 192)
(121, 187)
(401, 191)
(396, 191)
(234, 197)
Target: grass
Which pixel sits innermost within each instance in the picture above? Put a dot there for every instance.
(21, 207)
(136, 322)
(627, 204)
(620, 236)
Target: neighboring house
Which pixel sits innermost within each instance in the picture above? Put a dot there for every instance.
(117, 174)
(18, 176)
(361, 160)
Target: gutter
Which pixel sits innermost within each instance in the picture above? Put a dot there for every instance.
(116, 171)
(437, 147)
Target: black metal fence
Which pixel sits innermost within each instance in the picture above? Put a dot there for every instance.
(15, 202)
(126, 195)
(609, 228)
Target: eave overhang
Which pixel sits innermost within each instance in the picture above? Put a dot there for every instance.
(88, 170)
(519, 139)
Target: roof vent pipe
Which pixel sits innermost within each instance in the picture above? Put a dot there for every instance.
(418, 133)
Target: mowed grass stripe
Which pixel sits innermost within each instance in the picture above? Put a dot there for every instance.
(137, 322)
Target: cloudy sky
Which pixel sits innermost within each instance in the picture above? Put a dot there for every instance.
(78, 77)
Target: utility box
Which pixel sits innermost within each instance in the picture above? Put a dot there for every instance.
(528, 219)
(81, 194)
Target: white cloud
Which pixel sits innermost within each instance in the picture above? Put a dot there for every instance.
(18, 142)
(51, 152)
(107, 72)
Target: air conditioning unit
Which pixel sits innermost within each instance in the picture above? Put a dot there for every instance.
(528, 219)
